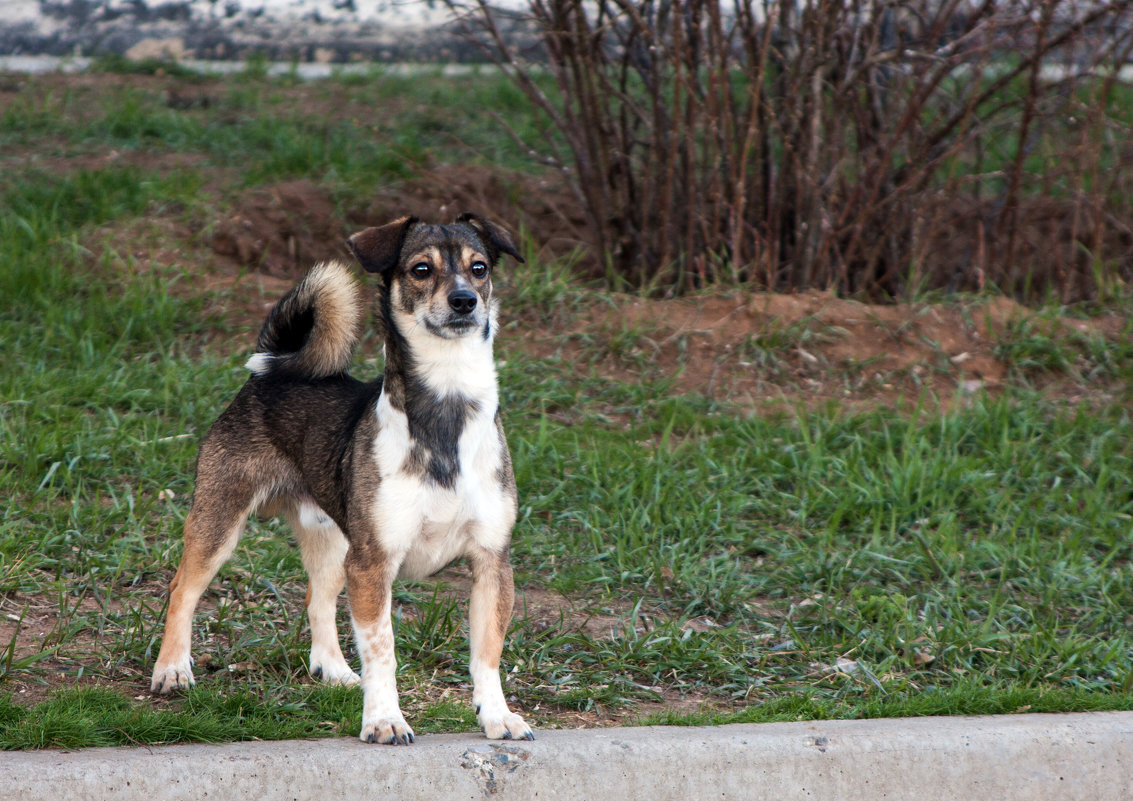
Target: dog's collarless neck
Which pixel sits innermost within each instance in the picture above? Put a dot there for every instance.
(461, 377)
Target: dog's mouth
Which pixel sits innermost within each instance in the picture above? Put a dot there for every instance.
(454, 326)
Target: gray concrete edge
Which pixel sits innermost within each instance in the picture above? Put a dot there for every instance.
(1032, 757)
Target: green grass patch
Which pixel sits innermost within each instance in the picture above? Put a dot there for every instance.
(97, 716)
(367, 131)
(967, 698)
(118, 64)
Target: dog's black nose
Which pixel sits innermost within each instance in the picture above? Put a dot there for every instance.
(462, 301)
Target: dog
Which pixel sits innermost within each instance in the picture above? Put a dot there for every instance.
(396, 477)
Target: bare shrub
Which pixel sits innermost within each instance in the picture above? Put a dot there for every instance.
(874, 148)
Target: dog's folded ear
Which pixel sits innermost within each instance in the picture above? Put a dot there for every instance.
(494, 236)
(377, 249)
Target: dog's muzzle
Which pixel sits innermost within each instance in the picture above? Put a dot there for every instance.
(462, 301)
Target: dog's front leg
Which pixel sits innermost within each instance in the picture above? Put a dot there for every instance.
(489, 614)
(369, 583)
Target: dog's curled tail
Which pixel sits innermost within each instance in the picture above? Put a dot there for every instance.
(311, 332)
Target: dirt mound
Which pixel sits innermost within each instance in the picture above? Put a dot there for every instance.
(539, 205)
(281, 230)
(761, 349)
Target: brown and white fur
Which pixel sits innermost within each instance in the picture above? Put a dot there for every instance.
(397, 477)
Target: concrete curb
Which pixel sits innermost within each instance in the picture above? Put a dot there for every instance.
(1025, 757)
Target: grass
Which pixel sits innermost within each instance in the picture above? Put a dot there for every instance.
(1043, 344)
(363, 132)
(806, 563)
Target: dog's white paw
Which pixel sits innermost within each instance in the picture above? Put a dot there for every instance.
(343, 676)
(333, 671)
(172, 676)
(388, 731)
(508, 726)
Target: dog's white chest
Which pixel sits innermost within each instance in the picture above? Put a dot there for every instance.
(431, 524)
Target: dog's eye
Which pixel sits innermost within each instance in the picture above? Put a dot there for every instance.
(479, 269)
(421, 270)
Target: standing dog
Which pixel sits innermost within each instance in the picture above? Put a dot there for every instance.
(392, 478)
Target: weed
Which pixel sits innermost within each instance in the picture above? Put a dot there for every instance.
(778, 343)
(1039, 345)
(119, 64)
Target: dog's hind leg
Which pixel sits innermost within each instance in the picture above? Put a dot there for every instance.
(489, 613)
(323, 547)
(212, 530)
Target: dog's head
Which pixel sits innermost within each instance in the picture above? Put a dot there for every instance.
(440, 275)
